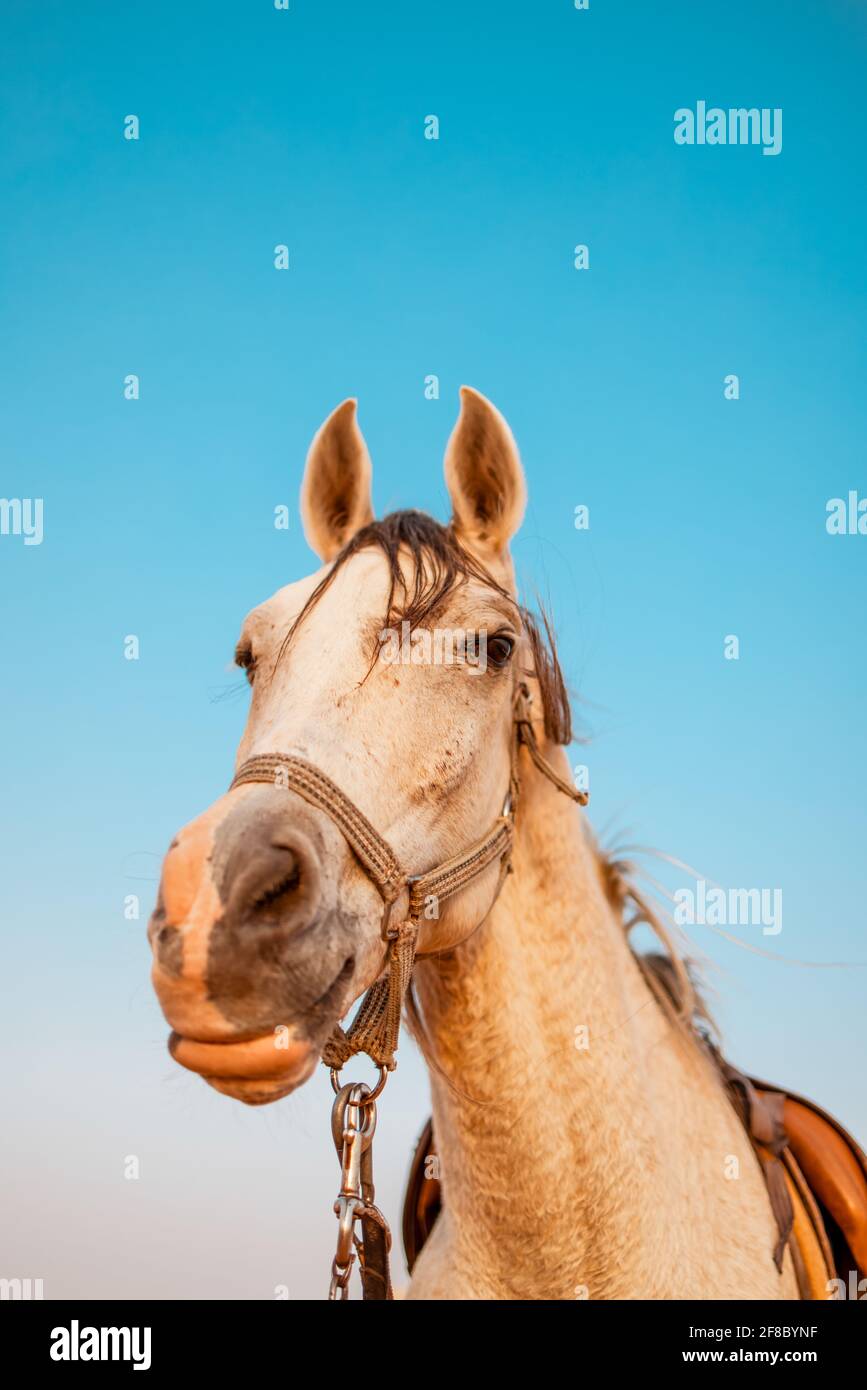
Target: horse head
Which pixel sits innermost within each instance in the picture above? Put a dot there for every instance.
(392, 670)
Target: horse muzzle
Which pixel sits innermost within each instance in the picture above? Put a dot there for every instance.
(251, 963)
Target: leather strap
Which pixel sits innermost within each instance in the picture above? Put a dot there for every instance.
(526, 735)
(456, 873)
(762, 1116)
(375, 1243)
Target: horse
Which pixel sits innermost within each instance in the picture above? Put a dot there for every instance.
(587, 1140)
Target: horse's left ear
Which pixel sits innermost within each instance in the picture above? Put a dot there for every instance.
(335, 493)
(484, 476)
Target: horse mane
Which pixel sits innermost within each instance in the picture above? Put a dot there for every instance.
(673, 979)
(439, 564)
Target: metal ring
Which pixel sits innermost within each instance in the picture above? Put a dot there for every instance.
(372, 1095)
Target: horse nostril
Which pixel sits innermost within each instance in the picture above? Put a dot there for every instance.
(275, 883)
(272, 900)
(266, 872)
(167, 946)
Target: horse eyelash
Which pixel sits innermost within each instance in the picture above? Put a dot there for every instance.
(504, 636)
(247, 662)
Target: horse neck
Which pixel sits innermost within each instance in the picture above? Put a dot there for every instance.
(543, 1024)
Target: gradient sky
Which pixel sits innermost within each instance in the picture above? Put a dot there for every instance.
(411, 257)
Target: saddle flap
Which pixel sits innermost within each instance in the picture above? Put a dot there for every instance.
(423, 1199)
(835, 1168)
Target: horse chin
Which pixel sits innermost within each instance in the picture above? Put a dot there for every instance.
(256, 1092)
(256, 1071)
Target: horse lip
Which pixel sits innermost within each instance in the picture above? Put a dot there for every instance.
(215, 1040)
(263, 1057)
(255, 1093)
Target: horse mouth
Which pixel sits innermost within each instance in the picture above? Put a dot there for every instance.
(256, 1070)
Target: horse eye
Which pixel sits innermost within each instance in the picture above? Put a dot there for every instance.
(247, 662)
(500, 648)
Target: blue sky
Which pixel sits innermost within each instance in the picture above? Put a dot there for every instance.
(410, 257)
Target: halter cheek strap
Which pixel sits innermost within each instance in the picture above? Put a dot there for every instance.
(376, 1026)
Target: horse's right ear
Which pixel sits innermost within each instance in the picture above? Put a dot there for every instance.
(335, 493)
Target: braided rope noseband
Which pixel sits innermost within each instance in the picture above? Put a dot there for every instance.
(376, 1026)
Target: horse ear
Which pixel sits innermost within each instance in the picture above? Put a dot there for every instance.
(335, 493)
(484, 475)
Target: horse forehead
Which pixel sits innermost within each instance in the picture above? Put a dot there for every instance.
(360, 586)
(283, 605)
(356, 598)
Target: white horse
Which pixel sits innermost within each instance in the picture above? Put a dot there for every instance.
(616, 1168)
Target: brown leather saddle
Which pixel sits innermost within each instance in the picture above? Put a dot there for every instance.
(815, 1172)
